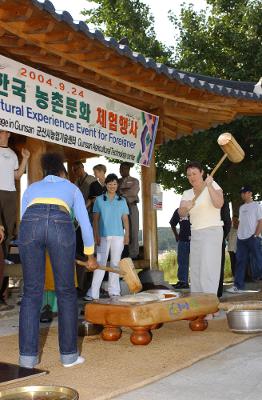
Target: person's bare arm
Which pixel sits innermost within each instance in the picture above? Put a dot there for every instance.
(96, 218)
(19, 172)
(2, 233)
(258, 228)
(216, 196)
(126, 228)
(175, 232)
(185, 207)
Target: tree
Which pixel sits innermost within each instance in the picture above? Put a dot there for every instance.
(172, 158)
(130, 19)
(225, 42)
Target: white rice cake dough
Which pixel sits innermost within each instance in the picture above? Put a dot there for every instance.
(141, 297)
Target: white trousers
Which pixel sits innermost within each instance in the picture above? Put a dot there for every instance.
(114, 245)
(205, 259)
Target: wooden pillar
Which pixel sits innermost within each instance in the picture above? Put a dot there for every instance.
(150, 242)
(36, 147)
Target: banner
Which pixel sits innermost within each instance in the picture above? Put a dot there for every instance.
(42, 106)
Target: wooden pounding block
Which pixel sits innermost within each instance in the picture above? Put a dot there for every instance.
(142, 317)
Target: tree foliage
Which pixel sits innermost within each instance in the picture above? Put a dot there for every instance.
(225, 43)
(172, 158)
(130, 19)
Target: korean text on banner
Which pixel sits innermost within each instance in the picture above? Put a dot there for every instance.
(42, 106)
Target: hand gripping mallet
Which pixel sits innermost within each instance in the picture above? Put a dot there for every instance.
(126, 270)
(232, 151)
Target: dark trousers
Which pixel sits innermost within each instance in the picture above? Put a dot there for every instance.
(45, 228)
(183, 250)
(232, 256)
(8, 216)
(246, 248)
(221, 279)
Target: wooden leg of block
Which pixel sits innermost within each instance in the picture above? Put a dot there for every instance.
(199, 324)
(141, 336)
(111, 333)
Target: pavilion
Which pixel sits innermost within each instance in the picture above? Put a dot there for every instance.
(32, 33)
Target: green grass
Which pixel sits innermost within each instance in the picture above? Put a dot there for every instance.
(168, 264)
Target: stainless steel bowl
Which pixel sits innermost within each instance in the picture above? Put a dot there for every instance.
(39, 392)
(245, 321)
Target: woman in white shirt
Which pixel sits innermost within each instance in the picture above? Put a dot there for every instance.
(203, 203)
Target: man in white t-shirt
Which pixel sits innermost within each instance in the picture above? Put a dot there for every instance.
(248, 240)
(9, 172)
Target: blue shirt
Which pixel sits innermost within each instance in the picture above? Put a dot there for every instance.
(111, 213)
(55, 190)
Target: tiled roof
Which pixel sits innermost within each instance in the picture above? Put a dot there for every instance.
(222, 87)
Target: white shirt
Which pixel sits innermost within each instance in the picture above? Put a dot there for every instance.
(249, 215)
(8, 165)
(203, 214)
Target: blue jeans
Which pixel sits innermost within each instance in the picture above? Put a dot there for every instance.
(248, 249)
(183, 250)
(45, 228)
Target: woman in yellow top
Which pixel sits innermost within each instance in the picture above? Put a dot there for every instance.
(203, 203)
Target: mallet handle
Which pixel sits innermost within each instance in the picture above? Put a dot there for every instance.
(108, 269)
(222, 159)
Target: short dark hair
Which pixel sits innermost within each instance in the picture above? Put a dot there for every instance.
(52, 164)
(112, 178)
(194, 164)
(100, 167)
(126, 164)
(78, 164)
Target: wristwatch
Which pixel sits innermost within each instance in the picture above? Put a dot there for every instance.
(255, 236)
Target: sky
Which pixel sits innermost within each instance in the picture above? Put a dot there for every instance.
(165, 33)
(159, 8)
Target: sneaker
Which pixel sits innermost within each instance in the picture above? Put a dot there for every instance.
(234, 290)
(79, 360)
(46, 314)
(88, 298)
(181, 285)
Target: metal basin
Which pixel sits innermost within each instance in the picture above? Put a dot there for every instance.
(245, 321)
(39, 392)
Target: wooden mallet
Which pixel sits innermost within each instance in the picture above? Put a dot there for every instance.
(231, 149)
(126, 270)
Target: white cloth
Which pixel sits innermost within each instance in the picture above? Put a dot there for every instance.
(114, 244)
(205, 259)
(203, 214)
(8, 164)
(232, 240)
(249, 215)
